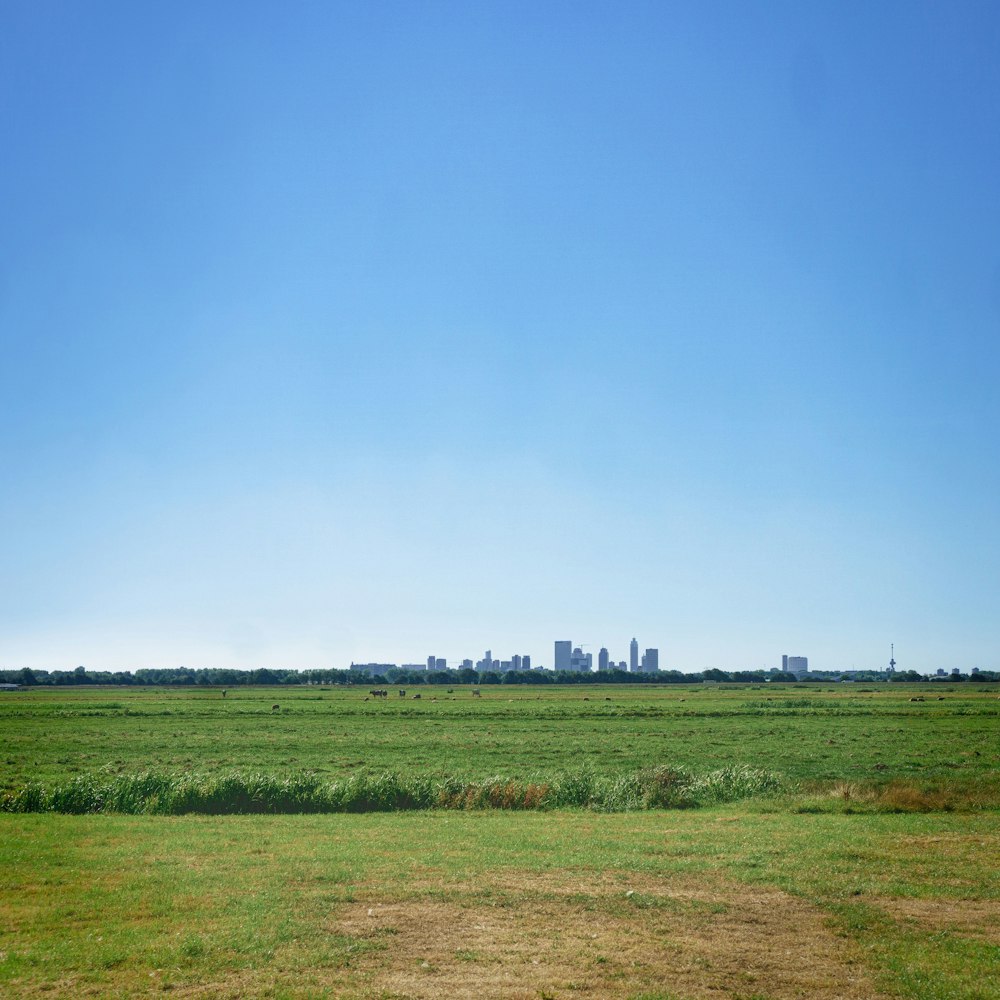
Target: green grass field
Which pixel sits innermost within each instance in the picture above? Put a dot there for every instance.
(807, 732)
(873, 873)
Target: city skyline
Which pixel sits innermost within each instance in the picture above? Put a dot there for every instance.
(334, 332)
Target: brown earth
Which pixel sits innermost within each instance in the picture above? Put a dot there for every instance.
(598, 936)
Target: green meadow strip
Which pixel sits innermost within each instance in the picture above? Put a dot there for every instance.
(245, 792)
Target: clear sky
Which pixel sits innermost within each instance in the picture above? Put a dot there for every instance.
(364, 331)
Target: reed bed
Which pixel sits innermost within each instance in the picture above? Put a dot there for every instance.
(244, 792)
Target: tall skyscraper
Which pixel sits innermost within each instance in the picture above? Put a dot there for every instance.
(431, 661)
(526, 662)
(633, 656)
(581, 662)
(564, 652)
(602, 659)
(651, 661)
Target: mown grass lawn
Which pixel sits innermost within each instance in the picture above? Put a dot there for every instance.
(729, 901)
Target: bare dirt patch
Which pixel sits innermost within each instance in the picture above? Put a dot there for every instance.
(594, 935)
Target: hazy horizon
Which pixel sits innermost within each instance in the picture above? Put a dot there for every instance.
(365, 332)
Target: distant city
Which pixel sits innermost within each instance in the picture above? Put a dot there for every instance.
(566, 658)
(571, 665)
(571, 659)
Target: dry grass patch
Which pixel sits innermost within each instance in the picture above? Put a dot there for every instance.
(593, 935)
(976, 918)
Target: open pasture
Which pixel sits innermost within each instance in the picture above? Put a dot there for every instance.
(808, 733)
(832, 889)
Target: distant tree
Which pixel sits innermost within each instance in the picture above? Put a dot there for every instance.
(713, 674)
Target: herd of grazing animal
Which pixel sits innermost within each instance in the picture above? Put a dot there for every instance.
(383, 693)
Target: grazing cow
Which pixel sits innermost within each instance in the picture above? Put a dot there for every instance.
(275, 708)
(402, 692)
(451, 690)
(223, 692)
(415, 697)
(477, 694)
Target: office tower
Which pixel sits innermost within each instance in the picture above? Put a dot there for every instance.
(564, 651)
(526, 662)
(784, 663)
(466, 664)
(651, 661)
(633, 656)
(798, 665)
(581, 662)
(515, 661)
(440, 664)
(431, 660)
(602, 659)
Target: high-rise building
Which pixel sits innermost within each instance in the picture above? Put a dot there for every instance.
(633, 656)
(440, 663)
(581, 662)
(526, 662)
(798, 665)
(515, 661)
(602, 659)
(564, 651)
(431, 662)
(651, 661)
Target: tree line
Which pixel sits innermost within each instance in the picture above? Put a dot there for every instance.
(389, 674)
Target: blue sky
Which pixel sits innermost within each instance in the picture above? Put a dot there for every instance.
(336, 332)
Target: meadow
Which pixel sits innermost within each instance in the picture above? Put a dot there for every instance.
(871, 871)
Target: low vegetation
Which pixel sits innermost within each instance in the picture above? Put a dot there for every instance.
(246, 792)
